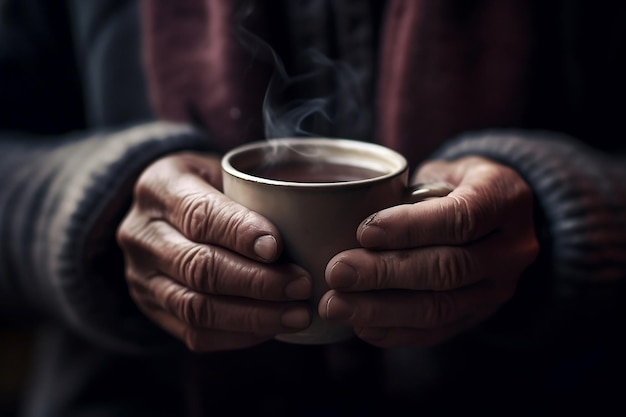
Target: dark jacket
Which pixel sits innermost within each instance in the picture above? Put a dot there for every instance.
(78, 125)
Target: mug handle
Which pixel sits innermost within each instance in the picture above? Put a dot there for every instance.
(423, 191)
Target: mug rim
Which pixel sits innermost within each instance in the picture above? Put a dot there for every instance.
(400, 163)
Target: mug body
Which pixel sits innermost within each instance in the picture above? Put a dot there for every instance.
(316, 191)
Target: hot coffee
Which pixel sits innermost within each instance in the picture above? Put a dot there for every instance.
(303, 171)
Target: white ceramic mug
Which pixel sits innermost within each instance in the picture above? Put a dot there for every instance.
(317, 191)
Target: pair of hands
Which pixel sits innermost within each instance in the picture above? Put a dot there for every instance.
(202, 266)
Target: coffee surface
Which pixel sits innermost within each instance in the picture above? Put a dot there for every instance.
(315, 172)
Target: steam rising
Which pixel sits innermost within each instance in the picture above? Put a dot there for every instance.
(288, 119)
(288, 116)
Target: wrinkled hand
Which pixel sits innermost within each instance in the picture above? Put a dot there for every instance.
(200, 265)
(431, 270)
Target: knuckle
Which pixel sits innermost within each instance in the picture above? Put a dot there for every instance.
(135, 280)
(143, 289)
(236, 223)
(260, 287)
(134, 234)
(123, 234)
(142, 189)
(195, 209)
(386, 269)
(190, 307)
(253, 321)
(198, 268)
(464, 221)
(449, 267)
(205, 218)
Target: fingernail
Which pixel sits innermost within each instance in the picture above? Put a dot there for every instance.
(372, 333)
(372, 236)
(338, 309)
(342, 275)
(296, 318)
(298, 289)
(265, 247)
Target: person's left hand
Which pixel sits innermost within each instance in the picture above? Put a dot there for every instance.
(431, 270)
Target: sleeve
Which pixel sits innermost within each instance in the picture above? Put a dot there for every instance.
(74, 66)
(577, 286)
(61, 201)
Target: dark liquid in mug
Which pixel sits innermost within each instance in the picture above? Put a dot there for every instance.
(315, 172)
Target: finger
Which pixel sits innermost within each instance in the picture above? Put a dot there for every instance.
(204, 340)
(184, 190)
(451, 220)
(487, 196)
(214, 270)
(230, 314)
(416, 309)
(438, 268)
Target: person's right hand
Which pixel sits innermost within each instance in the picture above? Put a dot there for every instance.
(202, 266)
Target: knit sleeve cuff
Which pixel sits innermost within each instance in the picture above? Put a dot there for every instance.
(83, 277)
